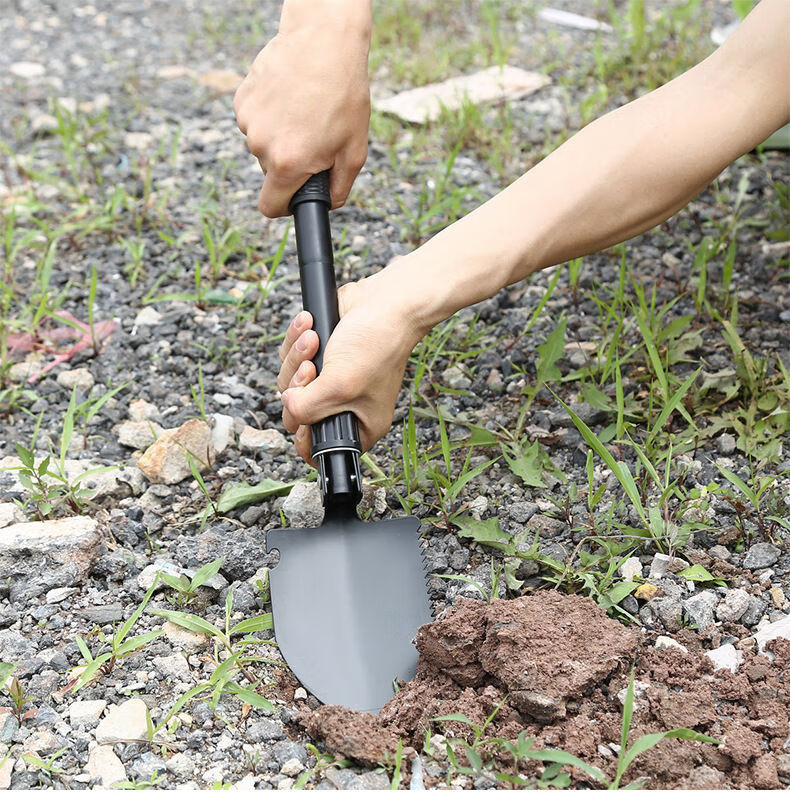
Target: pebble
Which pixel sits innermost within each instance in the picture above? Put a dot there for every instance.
(269, 440)
(10, 513)
(667, 641)
(27, 69)
(640, 690)
(264, 730)
(726, 657)
(300, 694)
(222, 432)
(304, 506)
(292, 767)
(631, 568)
(700, 609)
(456, 378)
(777, 597)
(780, 629)
(761, 555)
(173, 666)
(148, 763)
(80, 379)
(734, 605)
(659, 567)
(188, 641)
(6, 768)
(180, 765)
(165, 460)
(754, 613)
(140, 410)
(60, 594)
(286, 784)
(86, 712)
(123, 722)
(105, 766)
(138, 435)
(148, 316)
(721, 552)
(725, 444)
(9, 727)
(286, 750)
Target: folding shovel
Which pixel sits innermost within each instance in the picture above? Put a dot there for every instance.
(348, 596)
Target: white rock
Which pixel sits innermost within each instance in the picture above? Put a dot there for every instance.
(659, 567)
(140, 410)
(27, 69)
(138, 435)
(86, 712)
(666, 641)
(292, 767)
(138, 140)
(59, 595)
(213, 775)
(640, 688)
(425, 103)
(247, 783)
(286, 784)
(300, 694)
(124, 722)
(726, 657)
(148, 316)
(304, 506)
(105, 765)
(222, 432)
(174, 666)
(775, 630)
(44, 123)
(568, 19)
(165, 461)
(631, 568)
(10, 513)
(188, 641)
(268, 441)
(80, 378)
(734, 605)
(6, 768)
(222, 399)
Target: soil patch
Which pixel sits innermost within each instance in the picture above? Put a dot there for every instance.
(556, 664)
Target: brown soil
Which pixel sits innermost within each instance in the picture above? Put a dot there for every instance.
(558, 663)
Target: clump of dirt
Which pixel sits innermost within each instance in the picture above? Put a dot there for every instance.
(556, 664)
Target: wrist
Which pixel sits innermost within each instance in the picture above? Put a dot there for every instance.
(348, 16)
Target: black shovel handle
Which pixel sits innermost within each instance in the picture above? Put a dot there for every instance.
(336, 444)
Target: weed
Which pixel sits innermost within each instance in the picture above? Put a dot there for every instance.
(186, 589)
(13, 688)
(48, 766)
(119, 647)
(323, 761)
(141, 784)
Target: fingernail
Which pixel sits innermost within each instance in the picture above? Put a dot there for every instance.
(300, 320)
(300, 374)
(285, 397)
(301, 345)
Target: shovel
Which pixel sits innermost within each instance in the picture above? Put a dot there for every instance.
(348, 596)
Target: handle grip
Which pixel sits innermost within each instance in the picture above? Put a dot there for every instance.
(335, 440)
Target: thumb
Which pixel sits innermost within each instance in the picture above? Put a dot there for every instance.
(304, 405)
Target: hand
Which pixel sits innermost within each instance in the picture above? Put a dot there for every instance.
(305, 104)
(364, 362)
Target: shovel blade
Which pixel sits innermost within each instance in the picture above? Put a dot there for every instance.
(347, 599)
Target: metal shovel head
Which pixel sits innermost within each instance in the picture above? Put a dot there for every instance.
(347, 599)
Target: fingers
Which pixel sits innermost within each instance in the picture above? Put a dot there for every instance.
(303, 405)
(347, 165)
(297, 358)
(279, 186)
(303, 321)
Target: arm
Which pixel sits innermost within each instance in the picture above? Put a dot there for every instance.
(621, 175)
(305, 104)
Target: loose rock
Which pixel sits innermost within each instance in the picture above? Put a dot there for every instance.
(165, 461)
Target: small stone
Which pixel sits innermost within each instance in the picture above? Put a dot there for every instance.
(222, 399)
(304, 506)
(286, 784)
(292, 767)
(59, 595)
(631, 568)
(300, 694)
(780, 629)
(726, 657)
(659, 567)
(286, 750)
(541, 706)
(699, 609)
(268, 441)
(640, 690)
(456, 378)
(148, 317)
(140, 410)
(188, 641)
(667, 641)
(10, 514)
(165, 460)
(138, 140)
(761, 555)
(6, 768)
(9, 727)
(174, 666)
(224, 81)
(783, 765)
(138, 435)
(180, 765)
(222, 433)
(86, 712)
(124, 722)
(27, 69)
(80, 379)
(646, 591)
(754, 613)
(147, 764)
(42, 742)
(105, 766)
(264, 730)
(777, 597)
(720, 552)
(725, 444)
(734, 605)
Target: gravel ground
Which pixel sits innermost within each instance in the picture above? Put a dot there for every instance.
(120, 114)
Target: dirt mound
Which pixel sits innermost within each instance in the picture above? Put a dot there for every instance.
(556, 665)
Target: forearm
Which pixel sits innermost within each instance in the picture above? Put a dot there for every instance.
(620, 176)
(350, 17)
